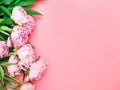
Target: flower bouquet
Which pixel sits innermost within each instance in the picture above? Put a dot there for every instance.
(16, 53)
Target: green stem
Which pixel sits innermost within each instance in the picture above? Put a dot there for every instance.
(10, 53)
(21, 83)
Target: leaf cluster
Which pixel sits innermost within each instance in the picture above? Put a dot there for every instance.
(6, 7)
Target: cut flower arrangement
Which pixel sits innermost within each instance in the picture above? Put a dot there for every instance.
(16, 52)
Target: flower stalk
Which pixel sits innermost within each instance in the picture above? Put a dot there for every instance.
(14, 80)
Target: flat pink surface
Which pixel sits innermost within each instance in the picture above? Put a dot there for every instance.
(80, 39)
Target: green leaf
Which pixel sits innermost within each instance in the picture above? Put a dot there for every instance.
(5, 28)
(7, 2)
(11, 86)
(1, 2)
(1, 20)
(2, 75)
(5, 33)
(32, 12)
(4, 59)
(1, 87)
(5, 88)
(5, 64)
(7, 20)
(5, 10)
(26, 2)
(11, 49)
(2, 38)
(1, 72)
(10, 9)
(14, 3)
(10, 79)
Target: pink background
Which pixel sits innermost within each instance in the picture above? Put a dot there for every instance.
(80, 39)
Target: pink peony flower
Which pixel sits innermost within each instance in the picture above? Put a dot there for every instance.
(26, 55)
(30, 24)
(19, 36)
(3, 49)
(27, 86)
(9, 43)
(22, 29)
(19, 16)
(36, 70)
(13, 69)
